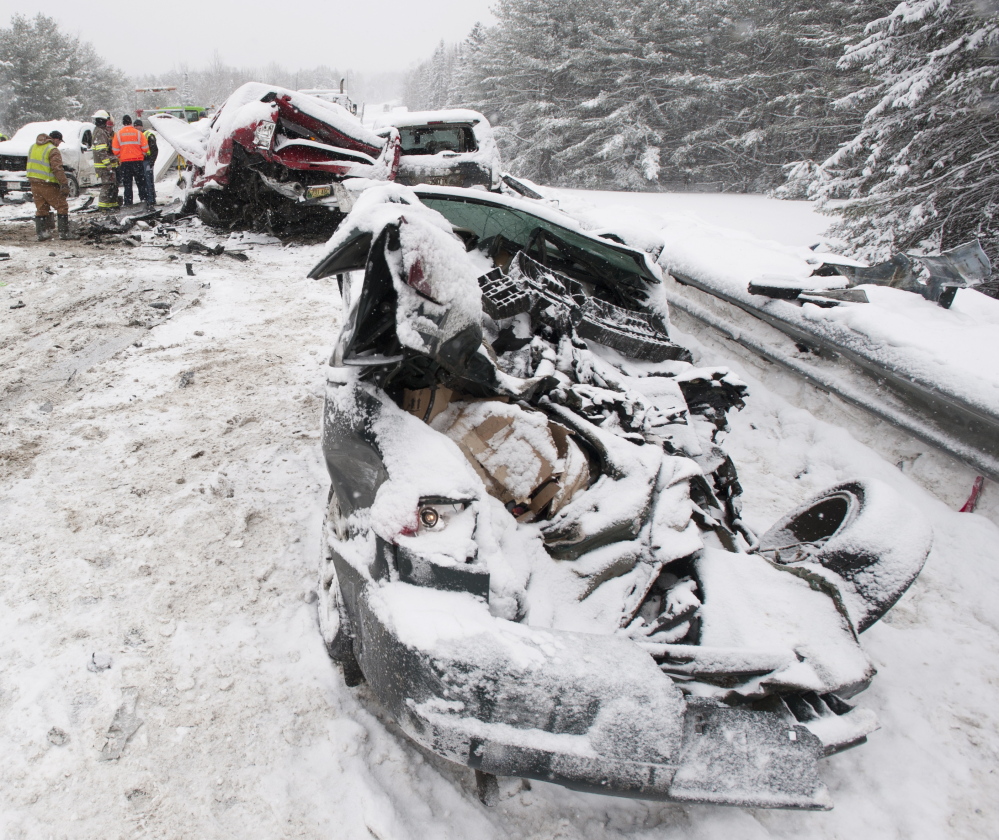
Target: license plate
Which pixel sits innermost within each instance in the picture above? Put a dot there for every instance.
(443, 180)
(318, 192)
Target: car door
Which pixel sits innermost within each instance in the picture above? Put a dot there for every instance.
(85, 171)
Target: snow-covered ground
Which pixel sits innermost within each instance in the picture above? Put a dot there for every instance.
(787, 222)
(161, 498)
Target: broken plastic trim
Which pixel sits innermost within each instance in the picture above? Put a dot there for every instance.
(531, 287)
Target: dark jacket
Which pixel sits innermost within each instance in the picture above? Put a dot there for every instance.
(153, 148)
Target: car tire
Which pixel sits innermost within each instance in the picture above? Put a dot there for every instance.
(334, 623)
(862, 538)
(74, 186)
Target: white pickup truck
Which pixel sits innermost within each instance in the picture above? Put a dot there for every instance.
(77, 156)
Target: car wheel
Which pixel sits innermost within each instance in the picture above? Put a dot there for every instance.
(74, 186)
(860, 536)
(334, 623)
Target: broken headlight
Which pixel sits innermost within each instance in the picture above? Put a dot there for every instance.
(440, 550)
(436, 513)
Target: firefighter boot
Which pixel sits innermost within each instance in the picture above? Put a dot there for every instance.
(42, 229)
(64, 231)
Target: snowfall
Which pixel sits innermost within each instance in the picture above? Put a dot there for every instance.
(162, 495)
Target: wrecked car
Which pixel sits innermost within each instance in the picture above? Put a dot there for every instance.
(77, 156)
(533, 550)
(275, 159)
(450, 148)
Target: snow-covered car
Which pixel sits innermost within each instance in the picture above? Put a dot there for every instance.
(449, 148)
(533, 550)
(77, 156)
(275, 158)
(187, 113)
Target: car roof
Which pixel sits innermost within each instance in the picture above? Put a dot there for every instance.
(407, 119)
(24, 137)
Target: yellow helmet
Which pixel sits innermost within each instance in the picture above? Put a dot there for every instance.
(101, 115)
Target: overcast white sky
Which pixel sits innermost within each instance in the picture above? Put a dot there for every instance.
(363, 35)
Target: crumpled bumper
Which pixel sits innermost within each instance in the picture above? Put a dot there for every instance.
(588, 712)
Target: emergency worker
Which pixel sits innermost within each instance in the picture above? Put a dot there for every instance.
(3, 137)
(131, 147)
(105, 162)
(49, 185)
(149, 164)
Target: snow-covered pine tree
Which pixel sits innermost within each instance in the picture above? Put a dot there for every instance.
(618, 134)
(635, 93)
(768, 86)
(923, 169)
(435, 83)
(524, 78)
(45, 74)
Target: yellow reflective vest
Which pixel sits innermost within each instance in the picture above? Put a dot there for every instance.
(38, 163)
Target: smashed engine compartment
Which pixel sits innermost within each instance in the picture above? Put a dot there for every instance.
(533, 551)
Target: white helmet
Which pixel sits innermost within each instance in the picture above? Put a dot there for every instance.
(101, 115)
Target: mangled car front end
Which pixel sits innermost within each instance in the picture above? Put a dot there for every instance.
(533, 551)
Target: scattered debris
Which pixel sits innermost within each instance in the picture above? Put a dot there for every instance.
(186, 378)
(18, 305)
(190, 269)
(194, 247)
(99, 662)
(125, 724)
(117, 226)
(222, 488)
(58, 737)
(832, 297)
(936, 277)
(976, 493)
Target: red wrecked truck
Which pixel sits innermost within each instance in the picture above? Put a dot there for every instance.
(275, 159)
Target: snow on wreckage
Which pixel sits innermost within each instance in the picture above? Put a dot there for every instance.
(277, 159)
(533, 551)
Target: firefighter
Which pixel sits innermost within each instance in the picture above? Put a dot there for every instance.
(49, 185)
(105, 163)
(131, 147)
(149, 164)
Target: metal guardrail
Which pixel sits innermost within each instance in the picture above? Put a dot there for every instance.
(963, 431)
